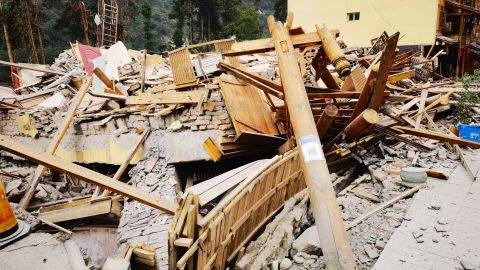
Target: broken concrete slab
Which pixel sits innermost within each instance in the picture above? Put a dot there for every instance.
(308, 242)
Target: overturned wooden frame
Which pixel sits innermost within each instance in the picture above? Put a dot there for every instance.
(212, 241)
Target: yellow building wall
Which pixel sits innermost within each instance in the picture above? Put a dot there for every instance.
(416, 20)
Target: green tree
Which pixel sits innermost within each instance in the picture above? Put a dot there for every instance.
(147, 26)
(246, 25)
(178, 13)
(280, 10)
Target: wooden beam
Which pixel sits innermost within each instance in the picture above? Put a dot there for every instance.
(326, 119)
(124, 164)
(365, 96)
(386, 61)
(266, 44)
(360, 124)
(269, 87)
(60, 165)
(80, 209)
(52, 147)
(333, 51)
(30, 67)
(103, 77)
(439, 137)
(335, 246)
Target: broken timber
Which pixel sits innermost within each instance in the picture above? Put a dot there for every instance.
(335, 246)
(60, 165)
(52, 147)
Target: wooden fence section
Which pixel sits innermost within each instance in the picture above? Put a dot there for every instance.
(182, 67)
(212, 241)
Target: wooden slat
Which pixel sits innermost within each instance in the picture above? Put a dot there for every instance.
(182, 67)
(439, 137)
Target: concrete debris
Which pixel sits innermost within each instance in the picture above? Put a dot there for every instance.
(308, 242)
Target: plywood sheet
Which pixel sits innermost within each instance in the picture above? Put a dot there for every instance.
(247, 108)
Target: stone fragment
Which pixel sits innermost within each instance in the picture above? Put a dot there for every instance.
(371, 251)
(308, 242)
(379, 244)
(467, 265)
(175, 126)
(285, 264)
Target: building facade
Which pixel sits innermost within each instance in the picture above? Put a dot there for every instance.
(360, 21)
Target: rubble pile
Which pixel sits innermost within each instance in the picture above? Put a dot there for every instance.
(202, 159)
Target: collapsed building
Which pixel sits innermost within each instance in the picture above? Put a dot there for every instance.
(203, 158)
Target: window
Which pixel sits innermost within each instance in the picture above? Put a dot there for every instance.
(353, 16)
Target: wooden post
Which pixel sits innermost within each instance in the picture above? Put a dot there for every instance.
(333, 51)
(52, 147)
(326, 119)
(335, 246)
(358, 126)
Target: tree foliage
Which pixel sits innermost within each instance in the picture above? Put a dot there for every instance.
(280, 10)
(246, 25)
(147, 26)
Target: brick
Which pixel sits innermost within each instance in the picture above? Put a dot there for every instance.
(202, 127)
(202, 122)
(224, 127)
(193, 128)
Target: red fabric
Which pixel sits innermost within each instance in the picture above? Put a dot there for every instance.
(15, 80)
(88, 53)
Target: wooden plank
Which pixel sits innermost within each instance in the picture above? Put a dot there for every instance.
(77, 171)
(213, 151)
(266, 44)
(247, 110)
(386, 61)
(86, 209)
(401, 76)
(211, 183)
(183, 242)
(31, 67)
(421, 106)
(52, 147)
(439, 137)
(179, 97)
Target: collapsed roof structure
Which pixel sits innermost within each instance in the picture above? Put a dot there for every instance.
(223, 143)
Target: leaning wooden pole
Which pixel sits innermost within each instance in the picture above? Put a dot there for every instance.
(334, 242)
(52, 147)
(326, 119)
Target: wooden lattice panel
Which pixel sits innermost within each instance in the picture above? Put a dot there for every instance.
(182, 67)
(228, 227)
